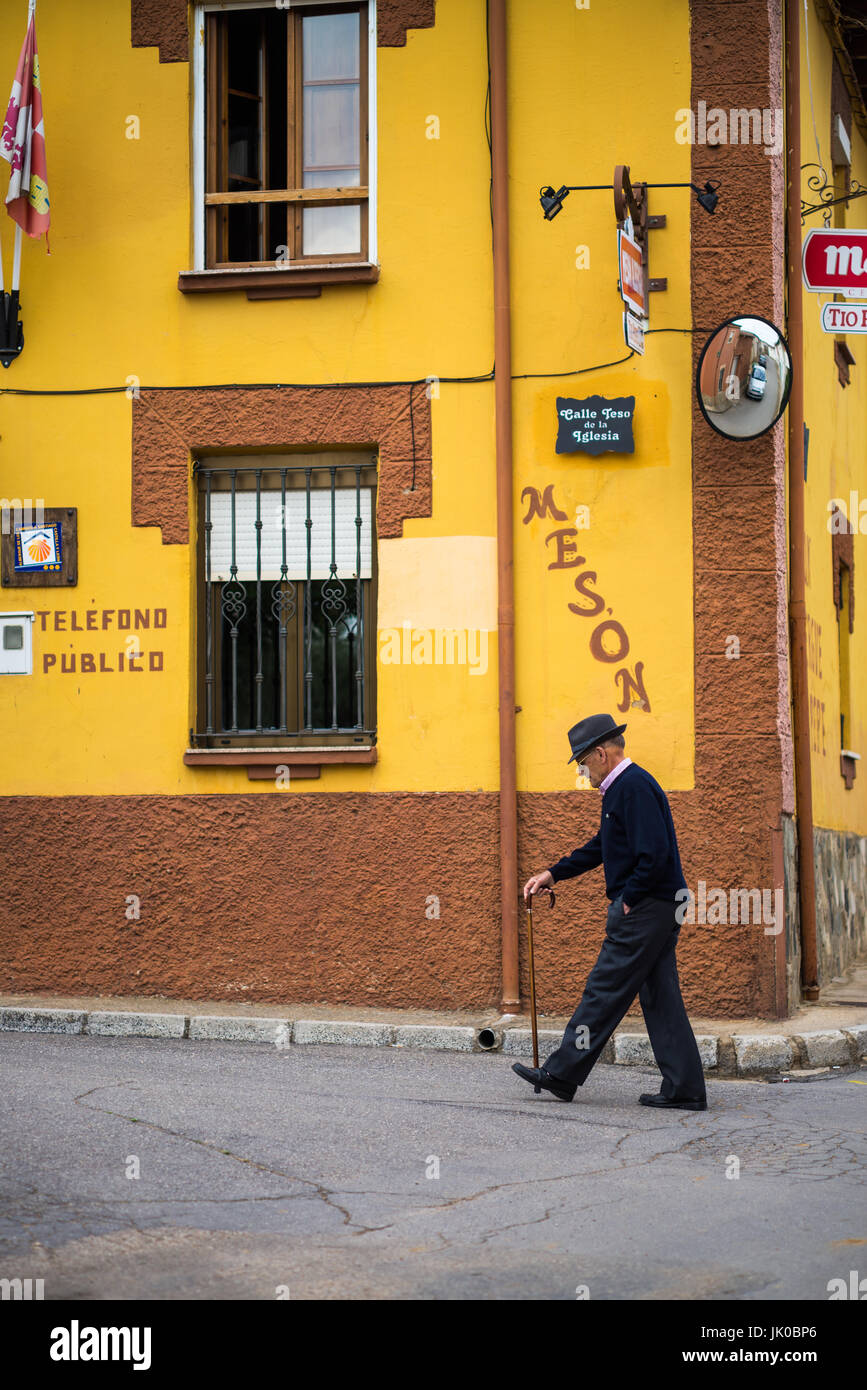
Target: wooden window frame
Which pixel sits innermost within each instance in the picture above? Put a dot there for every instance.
(298, 275)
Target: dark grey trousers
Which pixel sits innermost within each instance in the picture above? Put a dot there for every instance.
(637, 957)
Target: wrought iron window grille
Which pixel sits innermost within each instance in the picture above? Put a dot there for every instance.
(286, 579)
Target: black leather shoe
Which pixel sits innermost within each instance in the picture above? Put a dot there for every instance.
(540, 1079)
(672, 1102)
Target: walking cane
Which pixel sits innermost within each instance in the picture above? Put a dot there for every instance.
(537, 1089)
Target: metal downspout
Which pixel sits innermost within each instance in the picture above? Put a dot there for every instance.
(505, 552)
(797, 572)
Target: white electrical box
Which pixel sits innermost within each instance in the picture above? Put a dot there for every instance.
(16, 644)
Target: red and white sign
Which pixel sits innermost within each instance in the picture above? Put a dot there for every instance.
(834, 260)
(633, 331)
(632, 274)
(844, 318)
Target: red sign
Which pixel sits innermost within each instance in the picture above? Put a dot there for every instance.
(632, 274)
(835, 260)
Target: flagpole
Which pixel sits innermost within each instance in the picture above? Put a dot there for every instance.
(16, 254)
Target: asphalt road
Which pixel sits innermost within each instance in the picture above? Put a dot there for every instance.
(303, 1172)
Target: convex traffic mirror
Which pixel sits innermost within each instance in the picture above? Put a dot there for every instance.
(744, 377)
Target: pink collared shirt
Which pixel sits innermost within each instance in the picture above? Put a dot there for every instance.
(615, 772)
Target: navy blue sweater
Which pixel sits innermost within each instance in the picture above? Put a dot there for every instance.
(636, 842)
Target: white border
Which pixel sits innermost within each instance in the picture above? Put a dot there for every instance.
(198, 121)
(14, 619)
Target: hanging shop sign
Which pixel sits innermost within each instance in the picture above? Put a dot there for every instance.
(834, 260)
(595, 425)
(633, 288)
(38, 548)
(633, 332)
(844, 318)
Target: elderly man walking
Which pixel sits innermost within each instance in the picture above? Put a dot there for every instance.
(637, 846)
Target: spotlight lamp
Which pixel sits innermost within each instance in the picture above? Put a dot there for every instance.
(552, 202)
(708, 196)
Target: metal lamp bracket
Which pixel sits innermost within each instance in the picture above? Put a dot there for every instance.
(11, 328)
(630, 200)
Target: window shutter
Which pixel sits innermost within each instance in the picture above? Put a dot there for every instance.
(346, 504)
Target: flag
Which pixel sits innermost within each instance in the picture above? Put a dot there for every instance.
(22, 142)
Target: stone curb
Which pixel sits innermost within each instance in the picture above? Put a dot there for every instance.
(320, 1030)
(221, 1028)
(744, 1054)
(518, 1042)
(452, 1039)
(634, 1050)
(42, 1020)
(124, 1025)
(763, 1052)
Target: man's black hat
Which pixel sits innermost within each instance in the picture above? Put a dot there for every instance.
(588, 732)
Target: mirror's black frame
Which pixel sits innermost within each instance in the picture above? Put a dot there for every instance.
(739, 438)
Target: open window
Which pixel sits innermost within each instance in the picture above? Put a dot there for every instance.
(284, 157)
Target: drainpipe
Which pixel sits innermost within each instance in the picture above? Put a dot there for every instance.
(505, 553)
(797, 575)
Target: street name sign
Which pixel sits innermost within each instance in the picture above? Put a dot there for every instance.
(595, 425)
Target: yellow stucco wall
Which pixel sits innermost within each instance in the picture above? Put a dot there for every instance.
(837, 465)
(104, 307)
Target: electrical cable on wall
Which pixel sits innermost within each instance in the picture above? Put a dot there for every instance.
(323, 386)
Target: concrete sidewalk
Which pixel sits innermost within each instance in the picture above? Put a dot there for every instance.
(829, 1034)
